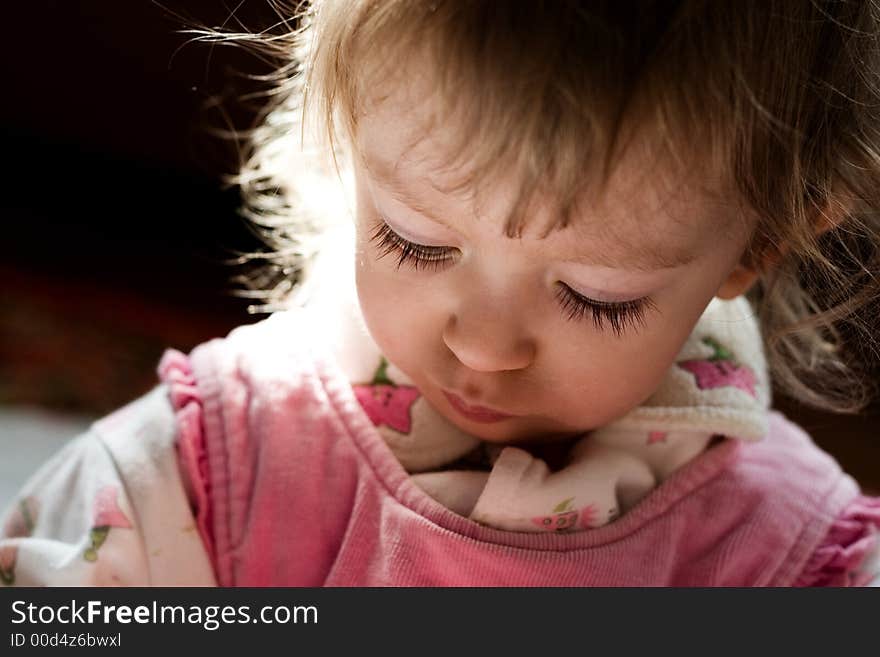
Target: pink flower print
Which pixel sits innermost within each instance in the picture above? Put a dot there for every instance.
(564, 517)
(720, 370)
(107, 511)
(107, 514)
(8, 557)
(588, 516)
(718, 374)
(387, 403)
(656, 437)
(557, 522)
(22, 519)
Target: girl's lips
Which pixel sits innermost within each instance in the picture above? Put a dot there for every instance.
(475, 413)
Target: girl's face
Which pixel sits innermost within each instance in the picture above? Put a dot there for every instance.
(562, 334)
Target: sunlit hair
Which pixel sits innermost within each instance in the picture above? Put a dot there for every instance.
(777, 99)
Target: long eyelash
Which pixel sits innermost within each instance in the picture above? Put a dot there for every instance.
(417, 256)
(618, 315)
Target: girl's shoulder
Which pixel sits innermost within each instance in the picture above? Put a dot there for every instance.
(789, 477)
(849, 553)
(108, 509)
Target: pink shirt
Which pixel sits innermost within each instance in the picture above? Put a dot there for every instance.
(293, 485)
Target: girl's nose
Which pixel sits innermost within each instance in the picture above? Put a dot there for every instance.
(486, 342)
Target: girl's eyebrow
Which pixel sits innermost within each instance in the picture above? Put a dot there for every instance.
(642, 258)
(384, 175)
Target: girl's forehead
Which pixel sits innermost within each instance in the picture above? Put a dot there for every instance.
(649, 214)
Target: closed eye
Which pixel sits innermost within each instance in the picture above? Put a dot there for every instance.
(619, 317)
(418, 256)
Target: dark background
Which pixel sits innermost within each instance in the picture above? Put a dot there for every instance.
(116, 221)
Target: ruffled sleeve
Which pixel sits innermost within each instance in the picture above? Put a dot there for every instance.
(108, 509)
(176, 372)
(849, 555)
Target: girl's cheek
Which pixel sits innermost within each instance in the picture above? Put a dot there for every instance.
(385, 300)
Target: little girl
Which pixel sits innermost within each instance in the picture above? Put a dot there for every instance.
(517, 348)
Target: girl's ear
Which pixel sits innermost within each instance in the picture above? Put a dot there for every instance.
(744, 276)
(738, 282)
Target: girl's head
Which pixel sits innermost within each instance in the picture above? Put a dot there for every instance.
(536, 320)
(548, 195)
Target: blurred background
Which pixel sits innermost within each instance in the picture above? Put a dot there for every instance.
(117, 223)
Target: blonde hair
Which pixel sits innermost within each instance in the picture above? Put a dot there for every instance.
(781, 97)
